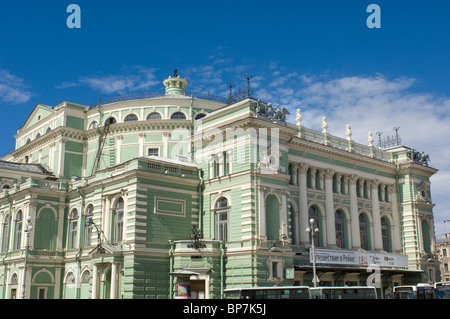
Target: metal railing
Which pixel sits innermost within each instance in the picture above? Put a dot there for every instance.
(148, 95)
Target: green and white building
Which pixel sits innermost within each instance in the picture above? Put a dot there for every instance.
(163, 196)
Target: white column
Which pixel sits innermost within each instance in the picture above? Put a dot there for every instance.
(356, 237)
(94, 283)
(51, 157)
(166, 144)
(32, 213)
(58, 283)
(113, 294)
(303, 203)
(376, 216)
(62, 150)
(141, 145)
(119, 149)
(331, 228)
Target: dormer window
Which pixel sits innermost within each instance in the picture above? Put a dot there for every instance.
(131, 118)
(178, 116)
(110, 120)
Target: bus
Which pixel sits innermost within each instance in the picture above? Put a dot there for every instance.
(442, 290)
(344, 292)
(419, 291)
(286, 292)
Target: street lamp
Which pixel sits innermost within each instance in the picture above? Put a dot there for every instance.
(28, 229)
(313, 231)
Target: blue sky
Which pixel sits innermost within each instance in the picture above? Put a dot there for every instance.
(319, 56)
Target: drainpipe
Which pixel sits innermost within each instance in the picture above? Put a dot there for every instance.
(80, 237)
(191, 109)
(200, 201)
(171, 269)
(222, 253)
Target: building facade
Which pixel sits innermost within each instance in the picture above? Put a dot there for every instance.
(443, 248)
(178, 195)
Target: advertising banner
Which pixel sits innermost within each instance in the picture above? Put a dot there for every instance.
(358, 258)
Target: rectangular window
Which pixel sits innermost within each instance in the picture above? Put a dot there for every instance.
(226, 164)
(153, 152)
(222, 225)
(42, 292)
(274, 269)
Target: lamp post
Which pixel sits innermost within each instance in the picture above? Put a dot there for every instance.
(28, 229)
(313, 231)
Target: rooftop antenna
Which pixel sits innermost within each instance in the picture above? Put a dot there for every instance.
(398, 140)
(230, 85)
(248, 77)
(379, 138)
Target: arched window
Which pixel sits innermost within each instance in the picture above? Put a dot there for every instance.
(178, 116)
(110, 120)
(85, 277)
(70, 278)
(48, 130)
(363, 231)
(118, 221)
(130, 118)
(45, 236)
(93, 125)
(154, 116)
(18, 230)
(426, 236)
(272, 217)
(5, 234)
(385, 234)
(73, 228)
(28, 140)
(89, 225)
(313, 212)
(14, 279)
(221, 216)
(200, 116)
(340, 235)
(38, 135)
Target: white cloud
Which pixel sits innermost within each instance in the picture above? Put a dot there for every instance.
(13, 89)
(141, 79)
